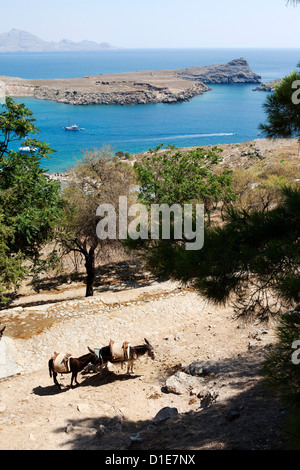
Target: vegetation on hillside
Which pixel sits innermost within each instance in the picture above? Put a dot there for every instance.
(30, 204)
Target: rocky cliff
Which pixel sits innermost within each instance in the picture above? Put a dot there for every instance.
(144, 94)
(269, 86)
(236, 71)
(162, 86)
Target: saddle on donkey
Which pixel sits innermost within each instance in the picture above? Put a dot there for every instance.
(119, 351)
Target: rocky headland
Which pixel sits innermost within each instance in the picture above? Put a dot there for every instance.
(235, 71)
(141, 87)
(269, 86)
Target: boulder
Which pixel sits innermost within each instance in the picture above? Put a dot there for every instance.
(8, 366)
(165, 413)
(180, 383)
(201, 368)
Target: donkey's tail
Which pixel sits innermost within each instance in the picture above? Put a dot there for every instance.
(50, 365)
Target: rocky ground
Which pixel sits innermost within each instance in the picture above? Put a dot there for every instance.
(217, 403)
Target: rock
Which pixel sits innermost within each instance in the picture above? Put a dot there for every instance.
(180, 383)
(69, 428)
(102, 430)
(83, 408)
(119, 96)
(270, 86)
(235, 71)
(200, 368)
(8, 366)
(207, 399)
(165, 413)
(257, 334)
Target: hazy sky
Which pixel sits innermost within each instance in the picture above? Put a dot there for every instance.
(158, 23)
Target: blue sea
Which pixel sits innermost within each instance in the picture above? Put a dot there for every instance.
(226, 114)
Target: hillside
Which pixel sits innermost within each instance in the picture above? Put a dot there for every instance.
(205, 377)
(23, 41)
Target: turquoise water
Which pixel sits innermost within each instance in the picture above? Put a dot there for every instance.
(226, 114)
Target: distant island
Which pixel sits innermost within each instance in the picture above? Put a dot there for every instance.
(22, 41)
(142, 87)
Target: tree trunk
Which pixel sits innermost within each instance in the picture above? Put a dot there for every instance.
(90, 271)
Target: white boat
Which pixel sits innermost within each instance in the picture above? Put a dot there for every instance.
(27, 149)
(74, 127)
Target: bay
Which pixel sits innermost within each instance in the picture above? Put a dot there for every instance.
(228, 113)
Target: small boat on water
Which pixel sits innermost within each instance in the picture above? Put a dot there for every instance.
(74, 127)
(27, 149)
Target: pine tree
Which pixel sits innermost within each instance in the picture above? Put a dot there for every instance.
(283, 109)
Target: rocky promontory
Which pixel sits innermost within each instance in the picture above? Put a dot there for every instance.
(142, 87)
(235, 71)
(269, 86)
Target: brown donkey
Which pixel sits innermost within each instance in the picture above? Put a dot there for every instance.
(66, 364)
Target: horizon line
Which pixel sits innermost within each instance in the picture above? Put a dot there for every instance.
(113, 48)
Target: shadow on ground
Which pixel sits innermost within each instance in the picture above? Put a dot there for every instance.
(249, 418)
(111, 277)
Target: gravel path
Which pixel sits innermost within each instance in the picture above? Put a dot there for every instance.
(108, 411)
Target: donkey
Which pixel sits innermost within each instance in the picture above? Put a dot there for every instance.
(68, 364)
(134, 352)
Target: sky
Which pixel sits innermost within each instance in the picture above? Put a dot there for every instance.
(158, 23)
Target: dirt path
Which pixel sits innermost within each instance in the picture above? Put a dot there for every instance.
(116, 411)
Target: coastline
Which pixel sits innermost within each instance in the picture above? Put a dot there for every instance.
(129, 88)
(242, 154)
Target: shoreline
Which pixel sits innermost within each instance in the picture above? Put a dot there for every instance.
(234, 154)
(129, 88)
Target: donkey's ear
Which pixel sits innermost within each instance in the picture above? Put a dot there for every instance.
(91, 351)
(146, 341)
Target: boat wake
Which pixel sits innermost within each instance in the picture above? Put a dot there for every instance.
(182, 136)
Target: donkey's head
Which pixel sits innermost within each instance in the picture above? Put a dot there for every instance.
(94, 358)
(2, 331)
(150, 349)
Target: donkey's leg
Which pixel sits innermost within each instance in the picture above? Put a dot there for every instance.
(130, 367)
(103, 366)
(55, 380)
(74, 377)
